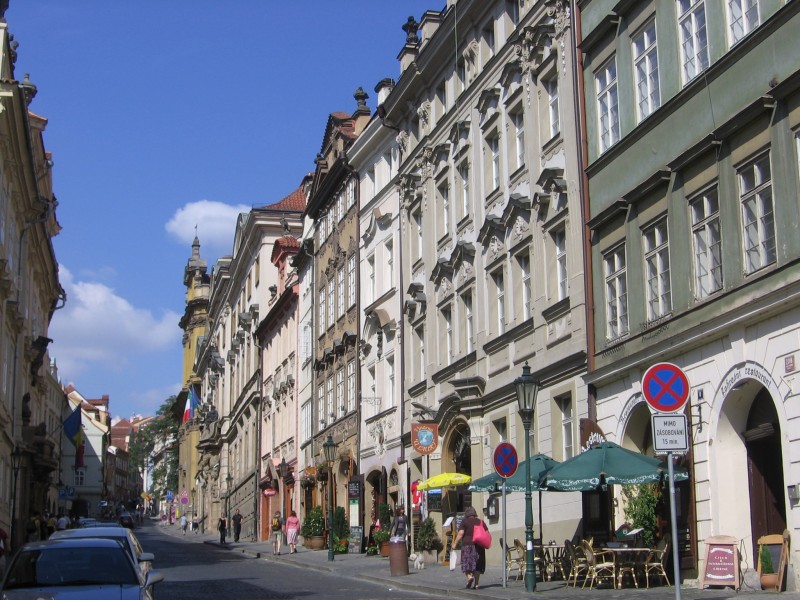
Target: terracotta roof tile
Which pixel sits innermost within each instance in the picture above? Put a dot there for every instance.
(294, 201)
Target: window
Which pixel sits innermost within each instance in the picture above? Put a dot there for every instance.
(694, 39)
(567, 420)
(418, 222)
(742, 18)
(420, 333)
(466, 300)
(461, 75)
(351, 193)
(447, 327)
(372, 184)
(501, 429)
(441, 99)
(560, 245)
(330, 413)
(488, 41)
(551, 87)
(500, 300)
(340, 292)
(390, 382)
(331, 303)
(755, 193)
(351, 279)
(321, 405)
(322, 313)
(524, 263)
(389, 283)
(616, 292)
(372, 398)
(80, 476)
(512, 10)
(645, 66)
(351, 386)
(340, 391)
(607, 109)
(656, 258)
(707, 244)
(371, 279)
(463, 173)
(443, 194)
(493, 148)
(519, 138)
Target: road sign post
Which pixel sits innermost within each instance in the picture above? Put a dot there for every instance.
(506, 463)
(665, 387)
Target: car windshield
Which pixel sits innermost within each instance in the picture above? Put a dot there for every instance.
(51, 567)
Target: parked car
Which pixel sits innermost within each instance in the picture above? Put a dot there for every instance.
(126, 520)
(87, 522)
(122, 535)
(89, 569)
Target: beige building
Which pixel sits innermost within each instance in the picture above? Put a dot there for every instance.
(31, 405)
(333, 206)
(492, 264)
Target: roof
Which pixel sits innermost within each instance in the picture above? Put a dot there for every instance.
(295, 201)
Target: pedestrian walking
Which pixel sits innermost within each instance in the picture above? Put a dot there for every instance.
(473, 557)
(292, 531)
(222, 527)
(5, 550)
(63, 522)
(184, 524)
(400, 524)
(277, 533)
(237, 525)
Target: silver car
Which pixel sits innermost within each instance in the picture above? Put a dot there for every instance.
(78, 569)
(123, 535)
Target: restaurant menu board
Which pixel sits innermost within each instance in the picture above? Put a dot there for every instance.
(356, 540)
(722, 562)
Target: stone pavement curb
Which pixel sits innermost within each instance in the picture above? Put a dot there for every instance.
(440, 581)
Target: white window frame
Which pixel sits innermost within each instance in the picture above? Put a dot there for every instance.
(693, 38)
(447, 325)
(560, 249)
(331, 412)
(389, 246)
(443, 191)
(498, 280)
(616, 288)
(351, 386)
(463, 172)
(707, 242)
(743, 17)
(524, 262)
(466, 301)
(321, 405)
(351, 279)
(758, 217)
(390, 381)
(331, 302)
(658, 288)
(322, 311)
(607, 105)
(340, 392)
(518, 119)
(370, 279)
(551, 87)
(340, 310)
(565, 407)
(645, 69)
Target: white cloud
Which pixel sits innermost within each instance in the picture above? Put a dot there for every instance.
(215, 221)
(97, 329)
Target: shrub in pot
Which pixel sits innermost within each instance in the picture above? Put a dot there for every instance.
(769, 578)
(428, 540)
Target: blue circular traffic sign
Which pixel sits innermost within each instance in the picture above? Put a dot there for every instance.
(665, 387)
(505, 460)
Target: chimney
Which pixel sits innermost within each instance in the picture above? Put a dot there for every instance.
(411, 48)
(430, 23)
(383, 89)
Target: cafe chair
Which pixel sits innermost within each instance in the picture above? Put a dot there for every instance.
(577, 562)
(600, 564)
(537, 561)
(515, 560)
(656, 561)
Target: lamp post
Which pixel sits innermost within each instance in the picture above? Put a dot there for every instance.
(283, 471)
(16, 462)
(329, 448)
(229, 481)
(527, 387)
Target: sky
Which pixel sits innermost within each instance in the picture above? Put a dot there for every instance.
(166, 115)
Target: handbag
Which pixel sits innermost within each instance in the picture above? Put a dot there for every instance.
(481, 536)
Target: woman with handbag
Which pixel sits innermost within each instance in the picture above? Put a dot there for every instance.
(473, 556)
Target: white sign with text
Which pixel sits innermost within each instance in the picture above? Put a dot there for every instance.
(670, 433)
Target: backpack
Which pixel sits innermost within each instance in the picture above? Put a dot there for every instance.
(276, 524)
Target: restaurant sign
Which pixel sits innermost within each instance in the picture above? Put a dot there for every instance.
(425, 437)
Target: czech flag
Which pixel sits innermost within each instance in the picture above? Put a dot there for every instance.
(192, 402)
(73, 429)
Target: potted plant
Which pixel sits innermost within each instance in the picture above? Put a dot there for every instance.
(428, 542)
(313, 529)
(769, 578)
(340, 544)
(381, 537)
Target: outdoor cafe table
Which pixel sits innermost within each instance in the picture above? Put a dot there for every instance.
(552, 554)
(627, 560)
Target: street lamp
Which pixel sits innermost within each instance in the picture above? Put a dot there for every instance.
(16, 462)
(329, 448)
(283, 471)
(229, 481)
(527, 388)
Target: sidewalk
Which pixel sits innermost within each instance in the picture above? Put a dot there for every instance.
(439, 580)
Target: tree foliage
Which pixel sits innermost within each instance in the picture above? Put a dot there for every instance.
(641, 509)
(158, 439)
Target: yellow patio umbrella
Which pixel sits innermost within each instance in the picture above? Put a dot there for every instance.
(443, 480)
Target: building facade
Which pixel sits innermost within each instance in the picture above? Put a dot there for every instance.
(692, 124)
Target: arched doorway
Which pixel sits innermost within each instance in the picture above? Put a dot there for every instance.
(765, 474)
(457, 458)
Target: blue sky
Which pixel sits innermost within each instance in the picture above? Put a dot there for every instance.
(166, 114)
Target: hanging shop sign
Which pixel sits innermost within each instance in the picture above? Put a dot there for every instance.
(425, 437)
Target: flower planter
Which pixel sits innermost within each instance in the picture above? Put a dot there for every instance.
(769, 581)
(315, 542)
(385, 549)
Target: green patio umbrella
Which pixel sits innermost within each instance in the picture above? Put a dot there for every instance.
(540, 465)
(607, 464)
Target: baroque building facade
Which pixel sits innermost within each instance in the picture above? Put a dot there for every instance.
(692, 125)
(489, 185)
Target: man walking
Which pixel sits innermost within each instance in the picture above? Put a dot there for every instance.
(277, 532)
(237, 525)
